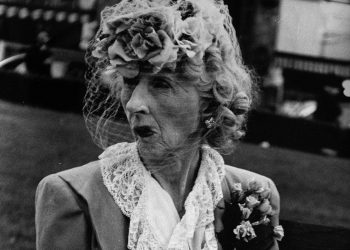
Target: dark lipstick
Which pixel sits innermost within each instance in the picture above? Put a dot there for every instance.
(143, 131)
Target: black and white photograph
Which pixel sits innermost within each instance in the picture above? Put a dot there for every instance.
(175, 124)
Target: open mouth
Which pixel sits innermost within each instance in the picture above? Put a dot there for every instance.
(143, 131)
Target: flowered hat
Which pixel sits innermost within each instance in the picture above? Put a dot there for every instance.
(157, 34)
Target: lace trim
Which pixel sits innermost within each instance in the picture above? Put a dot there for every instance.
(140, 232)
(124, 176)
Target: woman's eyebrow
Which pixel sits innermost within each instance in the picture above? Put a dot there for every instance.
(163, 77)
(171, 80)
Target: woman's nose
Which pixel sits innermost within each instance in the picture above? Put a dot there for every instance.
(138, 100)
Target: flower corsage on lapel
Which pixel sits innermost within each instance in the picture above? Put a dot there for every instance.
(245, 222)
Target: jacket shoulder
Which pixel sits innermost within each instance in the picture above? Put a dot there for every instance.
(88, 175)
(239, 175)
(86, 180)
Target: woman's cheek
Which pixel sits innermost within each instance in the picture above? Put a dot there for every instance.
(181, 112)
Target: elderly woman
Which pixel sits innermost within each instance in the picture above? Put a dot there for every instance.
(175, 69)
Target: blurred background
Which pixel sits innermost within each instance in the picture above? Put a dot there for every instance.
(299, 135)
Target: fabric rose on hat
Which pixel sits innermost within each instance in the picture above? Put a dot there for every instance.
(141, 37)
(194, 39)
(101, 48)
(192, 34)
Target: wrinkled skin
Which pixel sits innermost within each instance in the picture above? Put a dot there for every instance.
(169, 108)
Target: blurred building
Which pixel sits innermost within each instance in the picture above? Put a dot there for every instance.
(313, 49)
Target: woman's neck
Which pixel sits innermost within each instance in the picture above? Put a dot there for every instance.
(177, 175)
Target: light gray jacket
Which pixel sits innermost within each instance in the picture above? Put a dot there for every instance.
(74, 210)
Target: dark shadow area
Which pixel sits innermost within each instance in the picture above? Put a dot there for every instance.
(301, 236)
(41, 91)
(297, 133)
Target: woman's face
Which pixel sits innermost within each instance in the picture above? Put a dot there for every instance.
(163, 113)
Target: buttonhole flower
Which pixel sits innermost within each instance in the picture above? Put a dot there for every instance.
(244, 231)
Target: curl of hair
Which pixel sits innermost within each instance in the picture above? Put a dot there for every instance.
(228, 92)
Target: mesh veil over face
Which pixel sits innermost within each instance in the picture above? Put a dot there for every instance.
(149, 37)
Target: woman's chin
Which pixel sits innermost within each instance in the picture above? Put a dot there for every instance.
(146, 143)
(146, 140)
(150, 147)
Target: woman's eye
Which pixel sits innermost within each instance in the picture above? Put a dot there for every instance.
(161, 84)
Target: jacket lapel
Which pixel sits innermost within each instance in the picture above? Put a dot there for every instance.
(110, 226)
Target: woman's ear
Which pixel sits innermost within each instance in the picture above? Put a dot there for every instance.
(208, 108)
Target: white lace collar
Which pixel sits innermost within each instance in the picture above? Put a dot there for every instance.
(126, 179)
